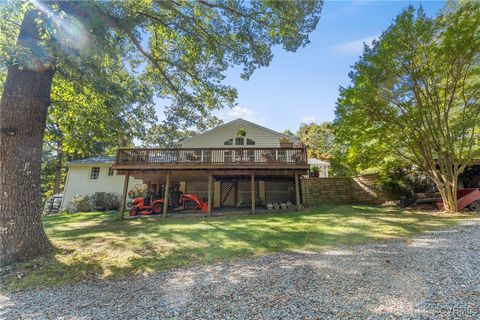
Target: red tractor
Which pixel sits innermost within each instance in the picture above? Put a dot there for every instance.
(199, 203)
(142, 206)
(148, 205)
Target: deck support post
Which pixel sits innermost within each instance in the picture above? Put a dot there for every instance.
(252, 180)
(165, 196)
(297, 192)
(210, 181)
(124, 195)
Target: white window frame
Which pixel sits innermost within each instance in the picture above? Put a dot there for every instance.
(243, 141)
(234, 142)
(108, 172)
(90, 174)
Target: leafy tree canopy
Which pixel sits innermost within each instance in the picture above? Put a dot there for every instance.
(111, 51)
(319, 139)
(415, 95)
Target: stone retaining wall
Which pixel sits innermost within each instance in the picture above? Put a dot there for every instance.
(359, 189)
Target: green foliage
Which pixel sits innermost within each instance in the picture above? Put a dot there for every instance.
(79, 203)
(319, 139)
(415, 95)
(290, 134)
(322, 143)
(181, 49)
(97, 201)
(108, 201)
(402, 180)
(415, 89)
(166, 135)
(85, 120)
(284, 140)
(241, 132)
(48, 172)
(112, 57)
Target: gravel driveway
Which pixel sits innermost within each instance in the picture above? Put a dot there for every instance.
(436, 275)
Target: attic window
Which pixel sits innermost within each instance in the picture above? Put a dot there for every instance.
(250, 142)
(239, 141)
(229, 142)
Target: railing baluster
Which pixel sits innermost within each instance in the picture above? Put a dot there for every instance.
(212, 155)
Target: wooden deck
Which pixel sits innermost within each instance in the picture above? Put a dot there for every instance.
(211, 158)
(162, 166)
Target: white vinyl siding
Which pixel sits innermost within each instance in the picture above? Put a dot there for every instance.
(78, 182)
(217, 138)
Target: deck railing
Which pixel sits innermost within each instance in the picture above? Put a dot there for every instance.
(212, 156)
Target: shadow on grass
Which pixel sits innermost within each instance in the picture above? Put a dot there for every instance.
(96, 245)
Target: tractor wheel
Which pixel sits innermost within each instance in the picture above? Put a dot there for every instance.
(475, 206)
(157, 208)
(134, 212)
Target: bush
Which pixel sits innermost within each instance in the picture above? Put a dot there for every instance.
(111, 201)
(97, 201)
(80, 203)
(406, 181)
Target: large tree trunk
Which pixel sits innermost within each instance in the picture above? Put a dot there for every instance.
(448, 192)
(446, 180)
(23, 111)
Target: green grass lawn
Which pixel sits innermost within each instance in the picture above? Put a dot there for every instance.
(96, 245)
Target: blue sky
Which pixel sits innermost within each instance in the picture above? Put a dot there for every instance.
(303, 86)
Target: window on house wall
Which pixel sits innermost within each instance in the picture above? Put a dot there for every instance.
(239, 141)
(110, 171)
(99, 199)
(94, 173)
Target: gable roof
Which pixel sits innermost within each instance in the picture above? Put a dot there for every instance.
(95, 160)
(240, 121)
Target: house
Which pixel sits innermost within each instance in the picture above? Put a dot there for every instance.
(93, 175)
(237, 164)
(323, 167)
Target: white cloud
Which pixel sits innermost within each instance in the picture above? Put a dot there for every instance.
(353, 47)
(229, 114)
